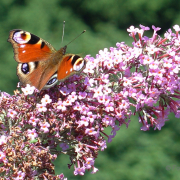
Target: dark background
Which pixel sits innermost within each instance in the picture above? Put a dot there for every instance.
(133, 154)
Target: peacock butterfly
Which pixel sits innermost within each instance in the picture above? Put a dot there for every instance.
(39, 64)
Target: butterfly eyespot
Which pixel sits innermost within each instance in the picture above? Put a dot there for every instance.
(25, 68)
(21, 37)
(79, 64)
(52, 81)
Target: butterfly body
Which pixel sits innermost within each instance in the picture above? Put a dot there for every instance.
(39, 64)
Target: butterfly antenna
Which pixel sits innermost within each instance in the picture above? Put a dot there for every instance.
(76, 37)
(63, 32)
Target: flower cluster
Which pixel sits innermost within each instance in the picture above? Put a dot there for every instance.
(70, 118)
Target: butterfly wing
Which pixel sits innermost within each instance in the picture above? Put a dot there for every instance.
(34, 56)
(69, 65)
(28, 47)
(37, 74)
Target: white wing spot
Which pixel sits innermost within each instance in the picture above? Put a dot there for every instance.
(78, 67)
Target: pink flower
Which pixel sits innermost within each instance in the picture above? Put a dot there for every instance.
(156, 28)
(44, 126)
(77, 106)
(176, 27)
(20, 175)
(127, 82)
(91, 131)
(147, 60)
(98, 92)
(145, 28)
(84, 109)
(62, 105)
(108, 120)
(41, 107)
(89, 69)
(61, 176)
(72, 97)
(33, 121)
(84, 121)
(3, 139)
(46, 99)
(28, 89)
(64, 91)
(109, 106)
(152, 49)
(103, 145)
(95, 170)
(79, 171)
(132, 29)
(67, 102)
(11, 113)
(89, 163)
(32, 134)
(3, 157)
(91, 117)
(107, 90)
(82, 95)
(71, 87)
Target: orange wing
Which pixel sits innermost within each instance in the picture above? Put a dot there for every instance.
(28, 47)
(69, 65)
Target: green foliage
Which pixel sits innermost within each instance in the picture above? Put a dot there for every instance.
(133, 154)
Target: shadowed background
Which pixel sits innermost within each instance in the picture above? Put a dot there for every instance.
(133, 154)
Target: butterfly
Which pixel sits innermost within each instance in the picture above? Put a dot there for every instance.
(39, 64)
